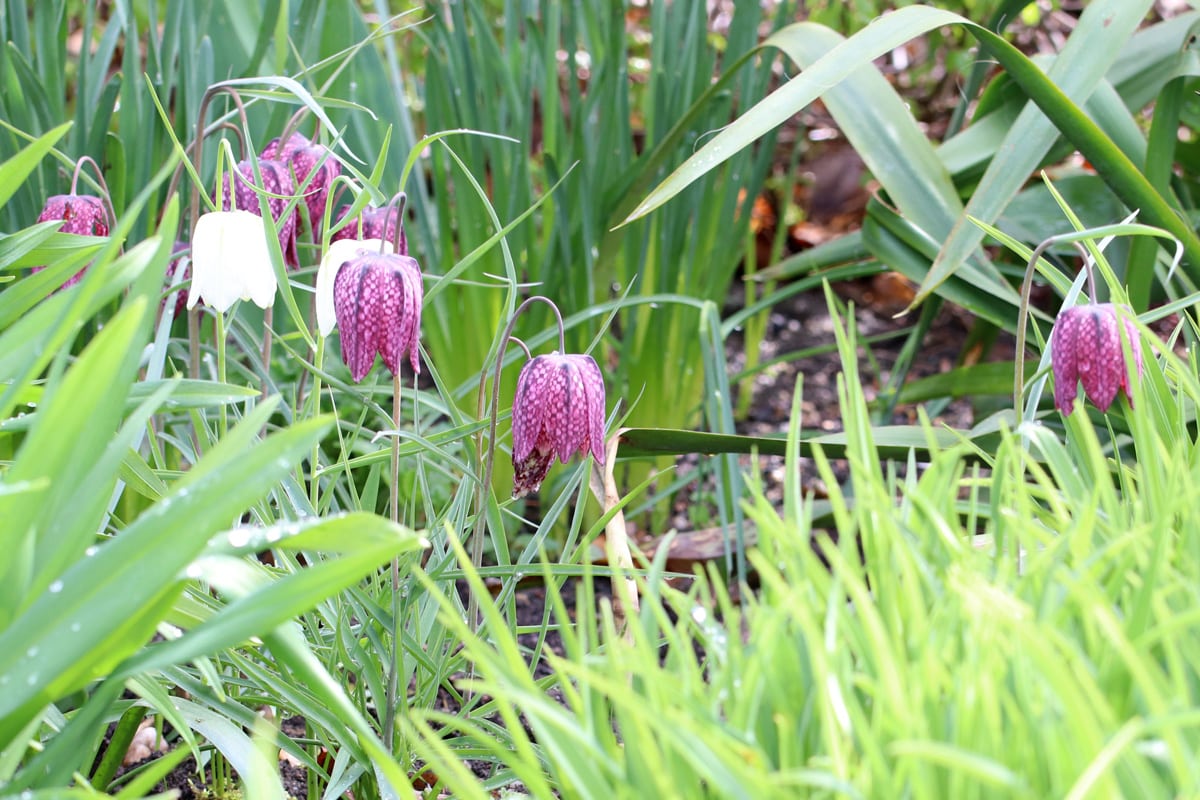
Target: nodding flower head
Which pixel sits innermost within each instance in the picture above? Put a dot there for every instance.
(304, 156)
(81, 214)
(377, 300)
(276, 180)
(1085, 347)
(376, 223)
(339, 253)
(230, 260)
(558, 411)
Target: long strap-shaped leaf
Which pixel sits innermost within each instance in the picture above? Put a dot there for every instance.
(1103, 28)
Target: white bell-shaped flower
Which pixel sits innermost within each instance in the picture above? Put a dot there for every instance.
(339, 253)
(231, 261)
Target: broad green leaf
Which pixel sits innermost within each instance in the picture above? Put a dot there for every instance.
(977, 380)
(880, 127)
(105, 605)
(236, 746)
(1075, 73)
(259, 603)
(72, 431)
(892, 441)
(39, 244)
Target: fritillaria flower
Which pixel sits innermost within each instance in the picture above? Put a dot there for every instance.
(277, 180)
(1085, 347)
(558, 411)
(377, 300)
(303, 156)
(230, 260)
(339, 253)
(376, 223)
(81, 214)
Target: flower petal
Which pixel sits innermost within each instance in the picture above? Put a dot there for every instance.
(526, 417)
(593, 386)
(230, 260)
(529, 472)
(1064, 361)
(339, 253)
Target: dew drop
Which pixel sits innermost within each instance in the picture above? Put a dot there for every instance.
(32, 652)
(55, 587)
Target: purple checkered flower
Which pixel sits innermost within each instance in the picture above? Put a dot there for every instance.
(81, 214)
(377, 299)
(303, 156)
(377, 223)
(558, 411)
(1085, 346)
(277, 180)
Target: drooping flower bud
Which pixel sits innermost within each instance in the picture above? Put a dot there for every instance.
(377, 299)
(1085, 347)
(303, 156)
(230, 260)
(277, 180)
(376, 223)
(558, 411)
(81, 214)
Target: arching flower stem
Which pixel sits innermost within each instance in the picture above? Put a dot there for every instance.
(105, 196)
(1023, 310)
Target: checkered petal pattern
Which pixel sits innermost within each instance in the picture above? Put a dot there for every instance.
(558, 411)
(373, 223)
(1085, 347)
(377, 300)
(277, 180)
(81, 214)
(304, 156)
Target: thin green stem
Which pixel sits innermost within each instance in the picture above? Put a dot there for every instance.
(193, 322)
(393, 687)
(219, 333)
(314, 488)
(268, 318)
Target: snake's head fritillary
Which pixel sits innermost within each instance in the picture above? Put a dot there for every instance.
(377, 300)
(558, 411)
(1085, 347)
